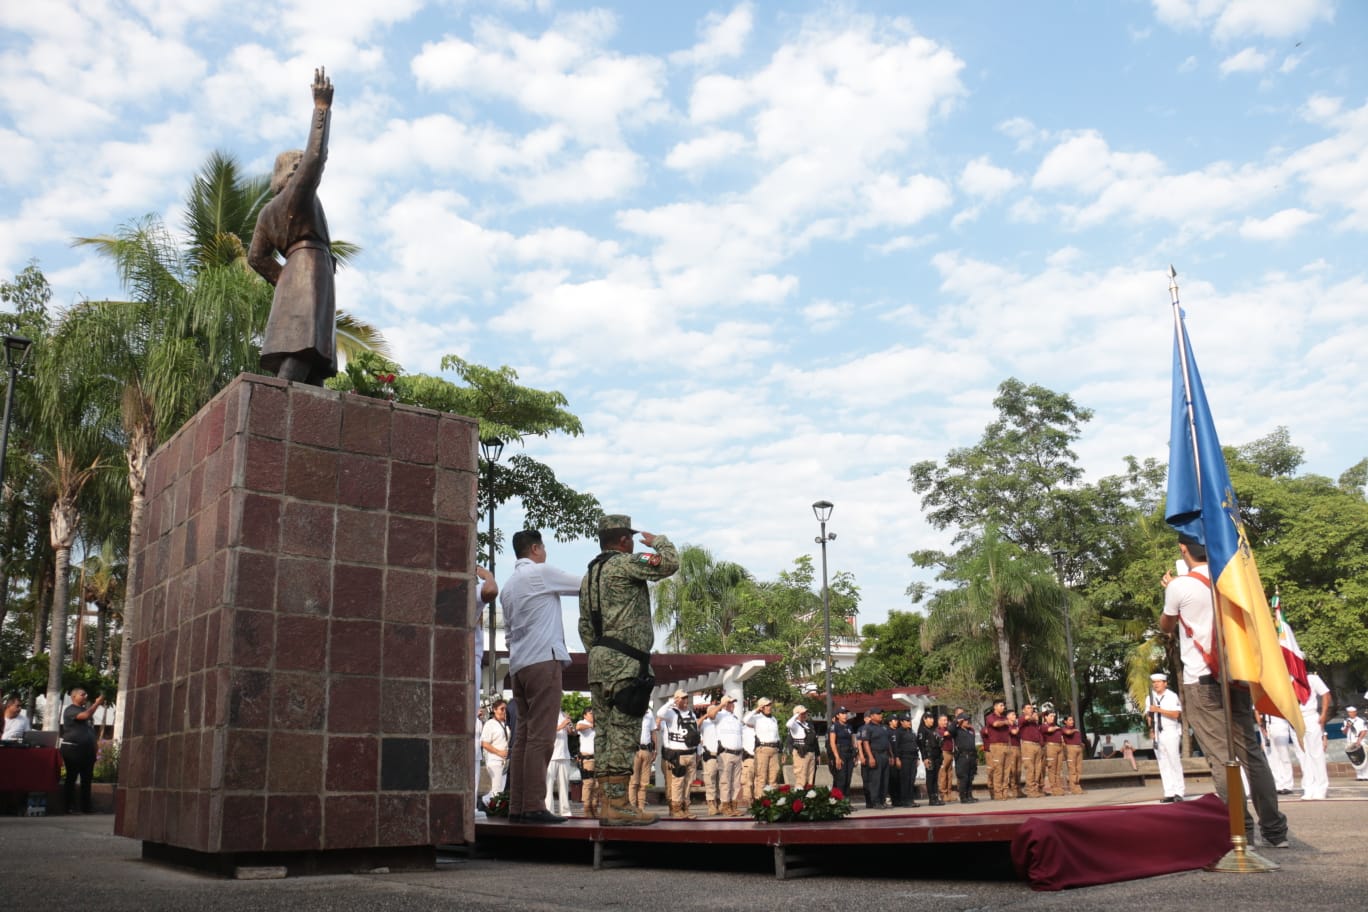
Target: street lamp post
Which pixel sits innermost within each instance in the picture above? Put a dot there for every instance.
(16, 349)
(1068, 636)
(822, 510)
(492, 449)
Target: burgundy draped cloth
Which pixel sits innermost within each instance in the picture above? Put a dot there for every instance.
(30, 769)
(1059, 851)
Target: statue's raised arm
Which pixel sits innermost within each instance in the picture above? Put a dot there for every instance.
(300, 339)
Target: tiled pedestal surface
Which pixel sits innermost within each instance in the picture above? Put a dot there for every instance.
(302, 667)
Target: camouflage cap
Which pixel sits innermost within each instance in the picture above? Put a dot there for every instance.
(615, 522)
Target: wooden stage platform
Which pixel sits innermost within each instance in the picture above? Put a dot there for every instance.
(869, 840)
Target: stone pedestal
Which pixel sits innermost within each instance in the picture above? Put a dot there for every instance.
(304, 614)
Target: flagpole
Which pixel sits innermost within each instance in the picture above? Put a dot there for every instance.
(1241, 859)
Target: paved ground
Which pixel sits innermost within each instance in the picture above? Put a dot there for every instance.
(76, 863)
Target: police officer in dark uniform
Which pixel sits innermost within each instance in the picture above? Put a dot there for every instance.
(929, 743)
(906, 751)
(894, 725)
(876, 754)
(841, 750)
(966, 758)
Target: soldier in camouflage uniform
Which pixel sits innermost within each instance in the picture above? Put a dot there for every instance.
(615, 585)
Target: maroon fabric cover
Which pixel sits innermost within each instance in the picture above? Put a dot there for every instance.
(1056, 852)
(30, 769)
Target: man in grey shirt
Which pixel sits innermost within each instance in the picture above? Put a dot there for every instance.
(536, 658)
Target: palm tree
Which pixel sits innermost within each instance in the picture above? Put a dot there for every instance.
(1005, 596)
(701, 603)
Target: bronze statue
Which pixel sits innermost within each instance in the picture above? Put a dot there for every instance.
(300, 341)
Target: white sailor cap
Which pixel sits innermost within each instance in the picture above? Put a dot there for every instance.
(1351, 709)
(1158, 676)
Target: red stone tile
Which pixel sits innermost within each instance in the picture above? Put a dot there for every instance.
(253, 639)
(315, 417)
(301, 643)
(300, 701)
(360, 537)
(349, 821)
(353, 764)
(410, 543)
(249, 699)
(455, 607)
(244, 823)
(164, 703)
(304, 586)
(260, 524)
(455, 497)
(194, 699)
(358, 592)
(296, 763)
(410, 596)
(452, 653)
(244, 760)
(414, 435)
(195, 494)
(403, 820)
(263, 465)
(307, 529)
(267, 416)
(362, 481)
(455, 547)
(407, 651)
(446, 719)
(354, 705)
(446, 819)
(311, 474)
(354, 647)
(211, 758)
(212, 421)
(294, 823)
(254, 584)
(456, 442)
(408, 707)
(411, 488)
(365, 425)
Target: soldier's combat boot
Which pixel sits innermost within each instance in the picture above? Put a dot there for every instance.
(616, 809)
(714, 809)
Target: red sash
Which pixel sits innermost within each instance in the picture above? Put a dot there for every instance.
(1213, 663)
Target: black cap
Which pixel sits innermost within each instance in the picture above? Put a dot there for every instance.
(875, 712)
(842, 709)
(962, 717)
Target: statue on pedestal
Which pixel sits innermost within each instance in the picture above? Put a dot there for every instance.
(300, 342)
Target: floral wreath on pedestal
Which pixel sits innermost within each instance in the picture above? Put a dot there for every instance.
(786, 804)
(497, 806)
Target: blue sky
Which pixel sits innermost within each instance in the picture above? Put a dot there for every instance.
(771, 253)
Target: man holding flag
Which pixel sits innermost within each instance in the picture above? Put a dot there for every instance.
(1219, 608)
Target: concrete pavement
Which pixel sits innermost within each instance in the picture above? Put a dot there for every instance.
(76, 863)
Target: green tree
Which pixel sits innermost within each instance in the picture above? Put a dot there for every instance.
(700, 607)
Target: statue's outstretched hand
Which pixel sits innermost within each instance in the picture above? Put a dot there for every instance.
(322, 89)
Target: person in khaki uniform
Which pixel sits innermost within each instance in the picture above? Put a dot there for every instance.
(1012, 778)
(803, 737)
(1073, 755)
(615, 623)
(643, 764)
(678, 728)
(730, 746)
(1053, 734)
(1032, 751)
(947, 787)
(767, 745)
(995, 741)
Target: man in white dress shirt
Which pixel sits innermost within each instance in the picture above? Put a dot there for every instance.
(1315, 776)
(1165, 713)
(536, 658)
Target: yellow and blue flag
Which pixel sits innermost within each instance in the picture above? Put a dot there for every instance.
(1202, 504)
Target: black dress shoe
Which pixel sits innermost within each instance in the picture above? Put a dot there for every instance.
(515, 818)
(538, 817)
(969, 801)
(936, 802)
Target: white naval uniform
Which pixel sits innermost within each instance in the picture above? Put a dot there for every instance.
(1311, 752)
(1279, 751)
(1168, 745)
(1352, 728)
(558, 770)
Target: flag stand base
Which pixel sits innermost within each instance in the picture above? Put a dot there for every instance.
(1241, 860)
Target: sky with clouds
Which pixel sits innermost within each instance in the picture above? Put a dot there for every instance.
(772, 253)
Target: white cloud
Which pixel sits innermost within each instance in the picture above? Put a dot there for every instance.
(824, 314)
(1188, 65)
(723, 37)
(1249, 60)
(705, 151)
(983, 179)
(1229, 19)
(1026, 134)
(1277, 227)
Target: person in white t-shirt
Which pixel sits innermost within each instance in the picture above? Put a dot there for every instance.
(1315, 776)
(16, 723)
(494, 742)
(558, 769)
(589, 789)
